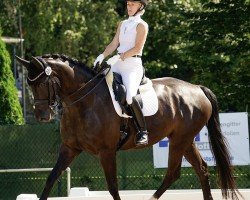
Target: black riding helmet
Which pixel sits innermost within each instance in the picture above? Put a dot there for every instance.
(143, 2)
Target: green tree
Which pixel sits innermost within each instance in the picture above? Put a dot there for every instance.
(10, 109)
(217, 48)
(8, 18)
(79, 29)
(162, 50)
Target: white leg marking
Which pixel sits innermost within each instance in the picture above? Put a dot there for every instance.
(152, 198)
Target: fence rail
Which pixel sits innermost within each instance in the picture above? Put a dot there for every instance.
(68, 170)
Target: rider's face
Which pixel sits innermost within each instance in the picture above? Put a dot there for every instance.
(132, 7)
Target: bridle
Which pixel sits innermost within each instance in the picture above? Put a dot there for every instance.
(53, 84)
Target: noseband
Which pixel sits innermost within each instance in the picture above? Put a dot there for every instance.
(52, 83)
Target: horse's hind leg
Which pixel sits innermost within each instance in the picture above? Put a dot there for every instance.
(194, 158)
(176, 152)
(66, 156)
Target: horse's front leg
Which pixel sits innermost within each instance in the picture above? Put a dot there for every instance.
(108, 161)
(66, 156)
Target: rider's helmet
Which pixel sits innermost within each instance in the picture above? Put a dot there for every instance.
(143, 2)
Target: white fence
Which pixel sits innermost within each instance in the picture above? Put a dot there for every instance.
(40, 170)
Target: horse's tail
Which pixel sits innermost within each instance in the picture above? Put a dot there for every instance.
(220, 150)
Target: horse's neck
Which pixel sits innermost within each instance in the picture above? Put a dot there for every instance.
(71, 79)
(68, 80)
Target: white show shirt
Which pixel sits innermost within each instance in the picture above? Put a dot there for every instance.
(131, 68)
(128, 32)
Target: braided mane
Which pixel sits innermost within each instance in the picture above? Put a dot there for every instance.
(72, 62)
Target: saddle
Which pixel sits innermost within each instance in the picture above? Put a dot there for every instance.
(120, 92)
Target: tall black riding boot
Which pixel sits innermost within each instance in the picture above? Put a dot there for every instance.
(142, 134)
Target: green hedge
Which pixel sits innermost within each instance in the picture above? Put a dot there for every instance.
(10, 109)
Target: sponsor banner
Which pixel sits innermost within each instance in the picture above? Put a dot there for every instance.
(234, 127)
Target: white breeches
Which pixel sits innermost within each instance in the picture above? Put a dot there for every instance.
(131, 70)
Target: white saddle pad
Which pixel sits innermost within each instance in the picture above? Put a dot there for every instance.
(148, 95)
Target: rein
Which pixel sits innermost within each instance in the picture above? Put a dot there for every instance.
(88, 83)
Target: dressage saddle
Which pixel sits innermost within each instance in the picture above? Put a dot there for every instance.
(120, 92)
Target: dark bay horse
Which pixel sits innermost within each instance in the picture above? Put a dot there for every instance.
(89, 122)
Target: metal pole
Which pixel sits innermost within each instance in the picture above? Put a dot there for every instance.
(68, 180)
(59, 187)
(23, 70)
(14, 63)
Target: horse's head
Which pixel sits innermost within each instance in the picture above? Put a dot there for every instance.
(44, 85)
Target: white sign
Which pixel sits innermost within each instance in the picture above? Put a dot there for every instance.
(234, 127)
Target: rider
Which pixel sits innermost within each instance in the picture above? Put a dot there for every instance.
(129, 41)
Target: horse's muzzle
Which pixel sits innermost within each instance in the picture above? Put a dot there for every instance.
(44, 115)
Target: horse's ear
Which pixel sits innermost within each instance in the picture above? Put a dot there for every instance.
(37, 63)
(25, 63)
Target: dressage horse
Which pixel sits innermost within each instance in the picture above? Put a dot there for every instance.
(89, 122)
